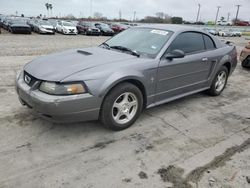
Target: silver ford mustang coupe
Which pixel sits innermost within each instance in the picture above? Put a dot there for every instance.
(139, 68)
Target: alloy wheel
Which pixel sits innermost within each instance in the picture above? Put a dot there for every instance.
(220, 81)
(124, 108)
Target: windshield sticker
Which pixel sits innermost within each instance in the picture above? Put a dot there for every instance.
(159, 32)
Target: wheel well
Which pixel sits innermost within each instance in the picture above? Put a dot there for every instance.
(137, 84)
(228, 66)
(142, 89)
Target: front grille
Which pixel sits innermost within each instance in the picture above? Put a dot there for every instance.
(29, 79)
(71, 30)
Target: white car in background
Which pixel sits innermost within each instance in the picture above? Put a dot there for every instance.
(224, 23)
(236, 33)
(224, 33)
(66, 28)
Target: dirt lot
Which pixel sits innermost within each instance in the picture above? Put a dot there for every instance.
(198, 141)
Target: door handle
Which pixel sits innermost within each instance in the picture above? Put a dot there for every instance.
(204, 59)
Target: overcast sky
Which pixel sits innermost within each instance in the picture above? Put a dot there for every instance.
(110, 8)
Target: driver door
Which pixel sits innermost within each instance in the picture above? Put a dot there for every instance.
(178, 76)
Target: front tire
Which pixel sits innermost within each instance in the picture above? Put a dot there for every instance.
(121, 107)
(219, 82)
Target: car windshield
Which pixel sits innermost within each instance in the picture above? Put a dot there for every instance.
(104, 25)
(67, 24)
(89, 24)
(145, 41)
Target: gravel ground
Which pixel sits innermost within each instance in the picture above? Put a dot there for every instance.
(197, 141)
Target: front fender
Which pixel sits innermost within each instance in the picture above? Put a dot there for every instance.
(119, 77)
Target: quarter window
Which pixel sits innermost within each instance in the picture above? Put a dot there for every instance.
(189, 42)
(209, 43)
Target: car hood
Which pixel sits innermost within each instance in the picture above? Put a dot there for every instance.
(69, 27)
(47, 26)
(19, 25)
(58, 66)
(107, 30)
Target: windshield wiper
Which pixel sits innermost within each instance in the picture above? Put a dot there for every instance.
(106, 45)
(122, 48)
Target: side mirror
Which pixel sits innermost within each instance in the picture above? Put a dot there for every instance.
(175, 54)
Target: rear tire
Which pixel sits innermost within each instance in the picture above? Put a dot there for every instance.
(246, 62)
(121, 107)
(219, 82)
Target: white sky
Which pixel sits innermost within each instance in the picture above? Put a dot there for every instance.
(110, 8)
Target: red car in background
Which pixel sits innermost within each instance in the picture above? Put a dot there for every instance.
(117, 28)
(242, 23)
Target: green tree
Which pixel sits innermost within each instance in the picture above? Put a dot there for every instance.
(176, 20)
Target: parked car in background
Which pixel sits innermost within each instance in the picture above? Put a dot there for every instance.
(242, 23)
(1, 20)
(245, 56)
(117, 28)
(31, 23)
(43, 27)
(19, 26)
(141, 67)
(211, 31)
(224, 23)
(224, 33)
(88, 28)
(105, 29)
(235, 33)
(6, 22)
(66, 28)
(53, 22)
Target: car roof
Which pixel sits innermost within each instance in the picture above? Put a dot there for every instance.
(171, 27)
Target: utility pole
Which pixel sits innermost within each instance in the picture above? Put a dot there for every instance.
(217, 14)
(237, 13)
(120, 15)
(228, 16)
(91, 6)
(198, 13)
(134, 16)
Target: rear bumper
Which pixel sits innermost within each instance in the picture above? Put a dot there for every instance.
(73, 108)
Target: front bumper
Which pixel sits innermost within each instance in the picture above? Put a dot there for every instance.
(97, 33)
(67, 32)
(21, 30)
(47, 31)
(70, 108)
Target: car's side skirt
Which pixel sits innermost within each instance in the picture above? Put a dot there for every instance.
(176, 97)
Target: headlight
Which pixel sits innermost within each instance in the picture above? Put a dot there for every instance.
(89, 29)
(53, 88)
(19, 74)
(42, 29)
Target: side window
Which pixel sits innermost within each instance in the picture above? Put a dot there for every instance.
(189, 42)
(209, 43)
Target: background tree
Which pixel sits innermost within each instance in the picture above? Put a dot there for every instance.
(176, 20)
(50, 7)
(98, 15)
(47, 7)
(222, 18)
